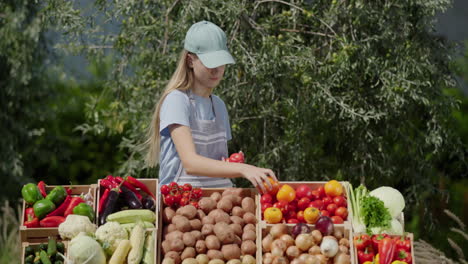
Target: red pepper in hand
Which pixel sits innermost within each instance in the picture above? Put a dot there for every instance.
(41, 186)
(52, 221)
(362, 241)
(74, 202)
(375, 239)
(129, 186)
(386, 250)
(139, 184)
(367, 254)
(29, 214)
(32, 223)
(60, 211)
(103, 200)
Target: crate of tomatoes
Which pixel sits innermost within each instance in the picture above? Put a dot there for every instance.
(45, 207)
(304, 202)
(383, 249)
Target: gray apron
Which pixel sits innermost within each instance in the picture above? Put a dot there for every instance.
(209, 137)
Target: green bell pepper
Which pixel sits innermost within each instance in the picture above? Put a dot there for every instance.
(31, 193)
(84, 209)
(43, 207)
(57, 195)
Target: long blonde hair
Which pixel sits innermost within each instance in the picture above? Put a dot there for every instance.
(182, 79)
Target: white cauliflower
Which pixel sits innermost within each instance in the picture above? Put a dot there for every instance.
(110, 234)
(74, 224)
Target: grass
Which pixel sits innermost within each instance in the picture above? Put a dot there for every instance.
(10, 246)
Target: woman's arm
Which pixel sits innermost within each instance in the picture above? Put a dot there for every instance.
(195, 164)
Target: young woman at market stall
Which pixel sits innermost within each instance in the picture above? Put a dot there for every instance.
(190, 127)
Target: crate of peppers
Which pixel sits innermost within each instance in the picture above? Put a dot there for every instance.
(45, 207)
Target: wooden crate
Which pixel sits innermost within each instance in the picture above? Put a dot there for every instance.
(152, 185)
(345, 228)
(313, 186)
(206, 192)
(410, 235)
(36, 245)
(38, 233)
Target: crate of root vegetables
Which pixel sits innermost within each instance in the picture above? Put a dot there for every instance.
(304, 202)
(45, 207)
(127, 200)
(302, 243)
(211, 225)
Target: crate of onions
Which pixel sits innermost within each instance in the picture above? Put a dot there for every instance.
(306, 244)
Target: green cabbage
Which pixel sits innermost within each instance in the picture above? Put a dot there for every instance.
(85, 250)
(392, 199)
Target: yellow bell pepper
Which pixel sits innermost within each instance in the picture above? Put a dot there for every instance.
(368, 262)
(399, 262)
(376, 259)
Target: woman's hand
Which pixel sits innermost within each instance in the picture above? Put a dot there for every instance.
(258, 176)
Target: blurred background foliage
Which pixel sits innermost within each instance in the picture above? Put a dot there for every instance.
(353, 90)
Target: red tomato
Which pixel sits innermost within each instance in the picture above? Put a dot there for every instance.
(331, 208)
(187, 187)
(169, 200)
(177, 197)
(325, 213)
(326, 201)
(315, 195)
(340, 201)
(165, 189)
(291, 215)
(300, 217)
(342, 212)
(337, 220)
(317, 204)
(184, 201)
(265, 206)
(173, 185)
(236, 157)
(303, 191)
(197, 193)
(292, 206)
(303, 203)
(292, 221)
(194, 203)
(282, 205)
(186, 195)
(321, 191)
(266, 198)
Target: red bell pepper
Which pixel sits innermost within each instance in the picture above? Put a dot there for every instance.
(29, 214)
(139, 184)
(403, 243)
(60, 211)
(375, 239)
(362, 241)
(32, 223)
(386, 250)
(52, 221)
(103, 200)
(41, 186)
(74, 202)
(120, 180)
(366, 255)
(403, 255)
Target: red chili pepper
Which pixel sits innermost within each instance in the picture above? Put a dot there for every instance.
(367, 254)
(60, 211)
(403, 255)
(103, 200)
(140, 185)
(74, 202)
(375, 239)
(69, 191)
(108, 184)
(29, 214)
(386, 250)
(32, 223)
(111, 178)
(52, 221)
(41, 186)
(129, 186)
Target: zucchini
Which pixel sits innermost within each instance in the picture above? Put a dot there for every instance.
(137, 241)
(149, 249)
(130, 226)
(52, 247)
(44, 258)
(132, 216)
(121, 252)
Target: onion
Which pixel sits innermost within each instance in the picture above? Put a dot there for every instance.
(325, 225)
(312, 260)
(342, 258)
(280, 260)
(338, 233)
(288, 239)
(266, 243)
(277, 252)
(278, 230)
(279, 244)
(293, 252)
(329, 246)
(322, 259)
(267, 259)
(343, 249)
(297, 261)
(303, 256)
(300, 228)
(344, 242)
(304, 241)
(317, 235)
(315, 250)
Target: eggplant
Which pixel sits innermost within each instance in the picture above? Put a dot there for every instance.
(148, 203)
(130, 197)
(109, 205)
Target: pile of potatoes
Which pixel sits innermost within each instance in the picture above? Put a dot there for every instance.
(221, 230)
